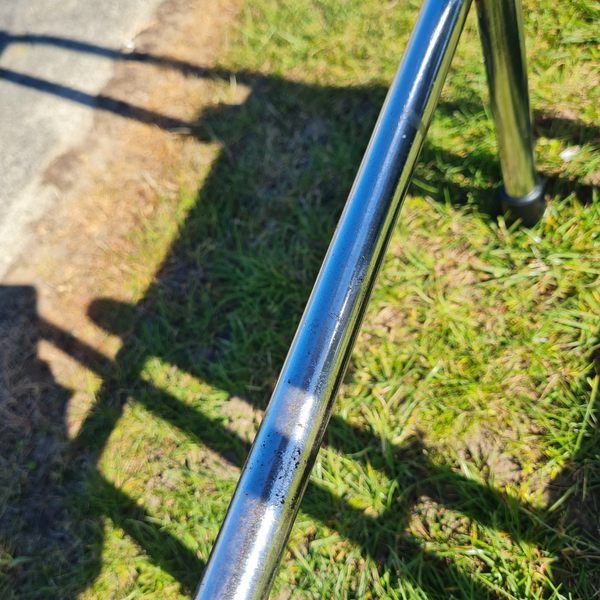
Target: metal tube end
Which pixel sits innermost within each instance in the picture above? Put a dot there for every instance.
(529, 208)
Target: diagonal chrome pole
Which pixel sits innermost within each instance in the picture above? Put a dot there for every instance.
(249, 546)
(503, 41)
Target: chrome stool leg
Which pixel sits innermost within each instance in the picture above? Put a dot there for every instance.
(503, 41)
(249, 546)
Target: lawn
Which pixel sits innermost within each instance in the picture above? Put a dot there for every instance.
(462, 457)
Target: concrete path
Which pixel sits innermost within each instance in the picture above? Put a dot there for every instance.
(55, 56)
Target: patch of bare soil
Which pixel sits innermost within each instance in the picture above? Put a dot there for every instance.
(110, 187)
(138, 150)
(243, 419)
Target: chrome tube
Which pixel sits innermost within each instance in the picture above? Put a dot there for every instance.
(503, 41)
(252, 538)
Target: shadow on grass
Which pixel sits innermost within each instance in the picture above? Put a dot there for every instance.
(224, 308)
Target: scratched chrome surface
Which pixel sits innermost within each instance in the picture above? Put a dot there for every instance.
(258, 522)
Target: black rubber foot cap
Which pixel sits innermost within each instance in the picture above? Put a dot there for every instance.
(530, 208)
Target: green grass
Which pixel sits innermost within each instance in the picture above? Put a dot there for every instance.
(462, 458)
